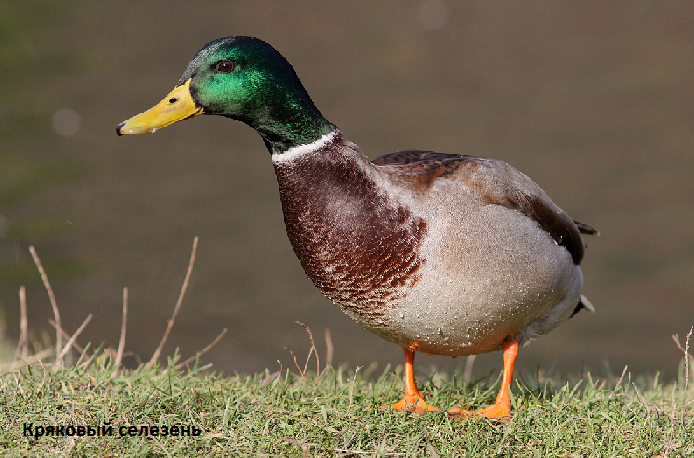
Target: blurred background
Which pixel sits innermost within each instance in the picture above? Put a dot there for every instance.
(593, 100)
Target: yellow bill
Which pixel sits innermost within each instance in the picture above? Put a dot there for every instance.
(176, 106)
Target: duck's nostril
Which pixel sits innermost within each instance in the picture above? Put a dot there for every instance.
(173, 100)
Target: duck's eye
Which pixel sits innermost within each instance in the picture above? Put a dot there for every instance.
(225, 66)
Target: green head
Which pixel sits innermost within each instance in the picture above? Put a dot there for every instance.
(246, 79)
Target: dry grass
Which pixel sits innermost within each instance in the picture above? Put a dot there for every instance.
(59, 351)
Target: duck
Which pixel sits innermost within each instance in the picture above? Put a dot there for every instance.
(442, 254)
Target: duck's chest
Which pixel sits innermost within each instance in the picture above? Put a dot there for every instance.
(357, 243)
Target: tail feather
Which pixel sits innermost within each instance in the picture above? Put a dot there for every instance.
(586, 229)
(584, 303)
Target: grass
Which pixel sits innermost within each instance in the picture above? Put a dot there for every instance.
(335, 414)
(329, 411)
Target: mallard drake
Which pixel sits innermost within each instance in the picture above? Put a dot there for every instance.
(438, 253)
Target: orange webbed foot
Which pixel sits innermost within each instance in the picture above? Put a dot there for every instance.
(417, 405)
(501, 410)
(413, 399)
(498, 411)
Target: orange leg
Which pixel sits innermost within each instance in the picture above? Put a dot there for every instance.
(502, 408)
(414, 399)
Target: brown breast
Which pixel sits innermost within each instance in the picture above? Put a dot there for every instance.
(356, 244)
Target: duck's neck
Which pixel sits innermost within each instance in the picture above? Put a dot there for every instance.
(288, 122)
(356, 242)
(283, 137)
